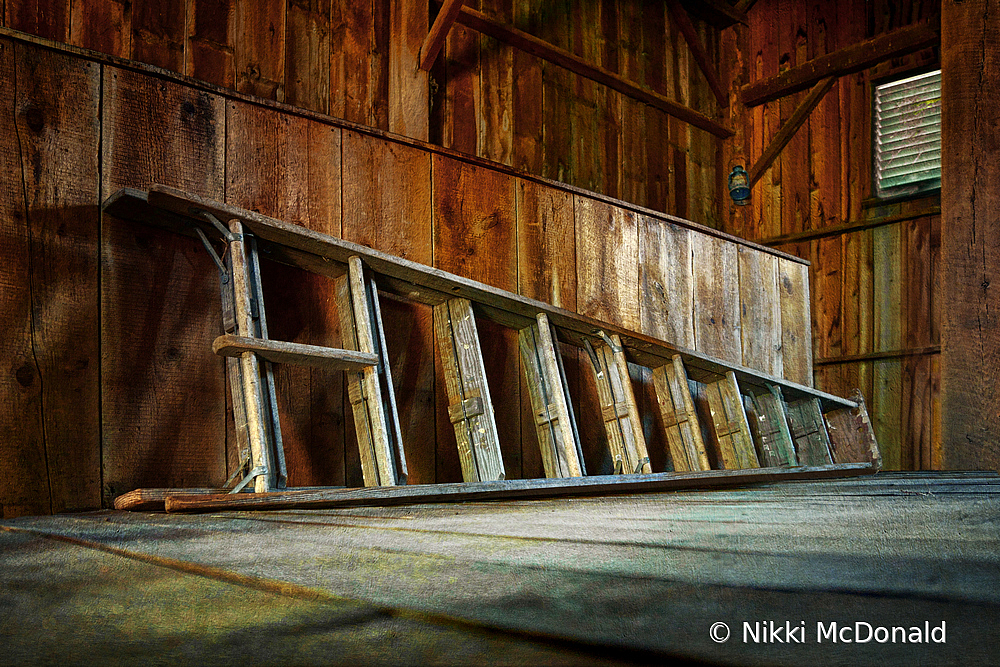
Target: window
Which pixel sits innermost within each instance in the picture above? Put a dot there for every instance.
(908, 135)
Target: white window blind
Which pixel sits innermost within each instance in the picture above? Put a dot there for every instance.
(908, 135)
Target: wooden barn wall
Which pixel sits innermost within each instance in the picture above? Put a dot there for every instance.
(357, 61)
(108, 381)
(875, 287)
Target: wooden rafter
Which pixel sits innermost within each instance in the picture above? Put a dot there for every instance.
(852, 59)
(439, 32)
(541, 49)
(743, 6)
(683, 22)
(716, 13)
(791, 126)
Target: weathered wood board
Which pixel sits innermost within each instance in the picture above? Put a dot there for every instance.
(716, 298)
(812, 442)
(680, 419)
(552, 407)
(162, 402)
(760, 311)
(667, 283)
(774, 439)
(290, 167)
(607, 262)
(796, 331)
(730, 428)
(470, 409)
(49, 422)
(387, 206)
(617, 404)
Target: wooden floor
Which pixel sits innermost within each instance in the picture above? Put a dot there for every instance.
(623, 579)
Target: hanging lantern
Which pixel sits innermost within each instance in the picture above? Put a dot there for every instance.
(739, 186)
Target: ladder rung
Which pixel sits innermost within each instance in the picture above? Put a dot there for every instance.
(465, 379)
(687, 448)
(622, 422)
(558, 440)
(729, 421)
(852, 438)
(283, 352)
(773, 435)
(812, 443)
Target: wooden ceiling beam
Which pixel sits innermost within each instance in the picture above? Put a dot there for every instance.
(541, 49)
(791, 126)
(438, 33)
(715, 12)
(852, 59)
(683, 21)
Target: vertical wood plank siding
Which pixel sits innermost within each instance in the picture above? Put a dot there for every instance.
(163, 406)
(357, 60)
(872, 291)
(148, 404)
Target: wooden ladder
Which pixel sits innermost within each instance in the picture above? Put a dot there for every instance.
(716, 417)
(250, 354)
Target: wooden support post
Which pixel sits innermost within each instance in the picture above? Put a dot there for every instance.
(683, 22)
(618, 406)
(550, 401)
(438, 33)
(788, 130)
(812, 443)
(970, 235)
(687, 448)
(852, 59)
(852, 438)
(729, 421)
(773, 437)
(470, 408)
(379, 440)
